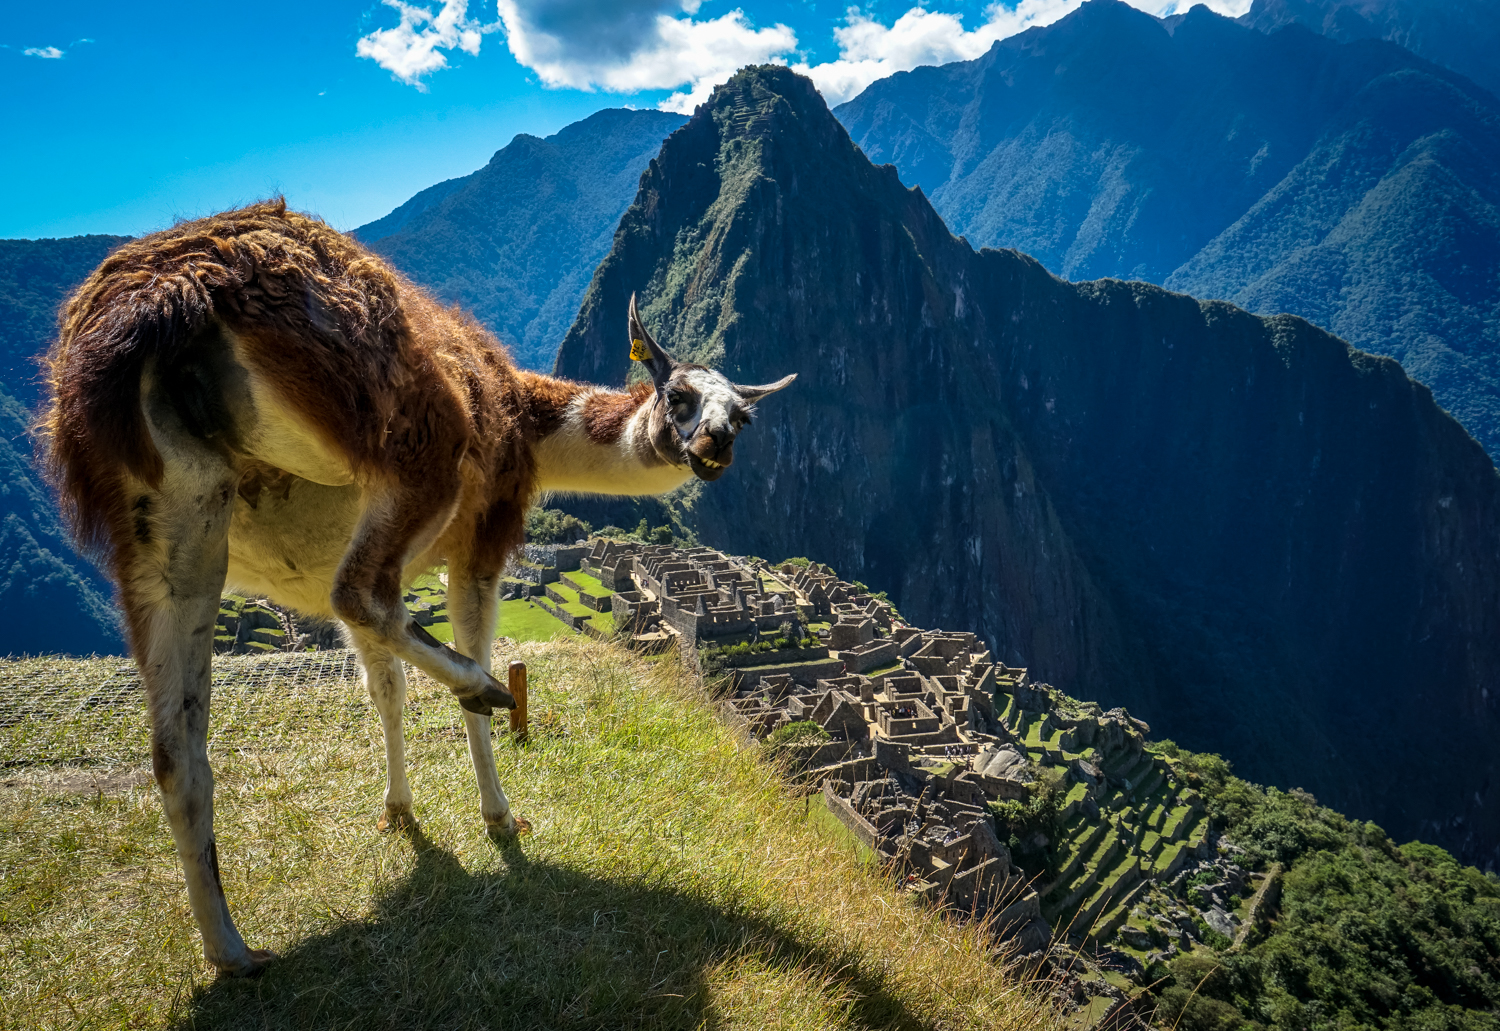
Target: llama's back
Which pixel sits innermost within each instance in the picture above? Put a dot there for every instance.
(315, 314)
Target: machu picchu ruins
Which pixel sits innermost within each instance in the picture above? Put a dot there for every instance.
(922, 745)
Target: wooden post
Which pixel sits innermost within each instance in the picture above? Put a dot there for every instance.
(518, 692)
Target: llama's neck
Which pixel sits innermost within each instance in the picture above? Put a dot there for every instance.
(600, 441)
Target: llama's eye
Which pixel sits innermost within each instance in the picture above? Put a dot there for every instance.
(674, 398)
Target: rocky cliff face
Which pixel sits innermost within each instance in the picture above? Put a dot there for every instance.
(1263, 542)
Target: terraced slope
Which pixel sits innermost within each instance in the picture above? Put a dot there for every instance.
(1125, 819)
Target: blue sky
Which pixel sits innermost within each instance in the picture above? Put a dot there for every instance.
(121, 118)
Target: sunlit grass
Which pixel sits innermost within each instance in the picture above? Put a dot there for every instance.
(671, 880)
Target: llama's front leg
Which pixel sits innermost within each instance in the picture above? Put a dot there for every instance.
(473, 603)
(172, 574)
(367, 594)
(385, 678)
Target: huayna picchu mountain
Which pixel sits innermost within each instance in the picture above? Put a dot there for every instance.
(1352, 184)
(1265, 543)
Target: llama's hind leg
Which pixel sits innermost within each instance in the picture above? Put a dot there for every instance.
(473, 603)
(385, 677)
(172, 559)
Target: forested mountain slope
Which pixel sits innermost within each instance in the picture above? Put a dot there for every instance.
(516, 242)
(51, 601)
(1263, 542)
(1353, 184)
(35, 276)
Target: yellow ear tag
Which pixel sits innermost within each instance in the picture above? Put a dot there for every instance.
(638, 352)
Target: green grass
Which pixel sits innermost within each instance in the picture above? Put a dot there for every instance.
(570, 603)
(527, 621)
(671, 881)
(589, 584)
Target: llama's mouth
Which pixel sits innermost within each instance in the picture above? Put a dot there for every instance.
(706, 468)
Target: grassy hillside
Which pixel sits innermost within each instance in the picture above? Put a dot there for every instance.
(670, 882)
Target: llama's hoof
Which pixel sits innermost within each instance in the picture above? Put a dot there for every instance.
(489, 698)
(396, 820)
(511, 826)
(253, 964)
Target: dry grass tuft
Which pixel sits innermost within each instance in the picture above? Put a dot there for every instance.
(671, 881)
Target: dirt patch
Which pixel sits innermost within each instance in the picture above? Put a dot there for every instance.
(114, 780)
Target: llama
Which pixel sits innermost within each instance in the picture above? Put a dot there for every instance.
(255, 399)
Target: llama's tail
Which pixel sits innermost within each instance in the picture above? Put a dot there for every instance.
(138, 305)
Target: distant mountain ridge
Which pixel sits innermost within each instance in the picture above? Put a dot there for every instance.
(1263, 542)
(1354, 185)
(1463, 35)
(516, 242)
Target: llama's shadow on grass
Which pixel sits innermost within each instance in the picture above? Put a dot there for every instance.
(536, 945)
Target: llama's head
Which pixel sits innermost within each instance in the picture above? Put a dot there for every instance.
(697, 412)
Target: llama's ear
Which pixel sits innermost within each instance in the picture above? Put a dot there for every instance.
(754, 394)
(644, 349)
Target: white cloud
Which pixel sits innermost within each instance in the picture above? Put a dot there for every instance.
(1228, 8)
(414, 48)
(624, 46)
(48, 53)
(869, 50)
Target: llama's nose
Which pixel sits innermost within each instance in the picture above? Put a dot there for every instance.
(722, 436)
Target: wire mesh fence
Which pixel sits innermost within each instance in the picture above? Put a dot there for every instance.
(92, 711)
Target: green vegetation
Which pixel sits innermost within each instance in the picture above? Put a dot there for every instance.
(671, 882)
(589, 585)
(35, 277)
(1367, 934)
(554, 526)
(798, 732)
(522, 620)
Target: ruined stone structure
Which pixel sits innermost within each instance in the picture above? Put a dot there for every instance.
(915, 737)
